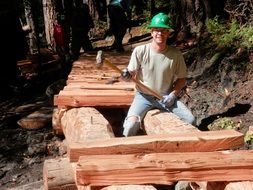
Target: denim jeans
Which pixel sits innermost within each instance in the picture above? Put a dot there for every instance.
(142, 103)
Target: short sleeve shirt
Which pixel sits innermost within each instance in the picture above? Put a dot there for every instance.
(157, 70)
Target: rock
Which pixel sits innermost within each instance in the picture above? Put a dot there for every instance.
(37, 119)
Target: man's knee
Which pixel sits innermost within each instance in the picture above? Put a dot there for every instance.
(190, 119)
(131, 126)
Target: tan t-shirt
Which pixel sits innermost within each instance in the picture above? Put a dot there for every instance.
(157, 70)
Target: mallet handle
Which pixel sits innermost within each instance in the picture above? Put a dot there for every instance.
(137, 82)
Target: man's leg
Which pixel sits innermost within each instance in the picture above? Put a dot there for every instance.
(118, 26)
(76, 44)
(183, 112)
(136, 113)
(87, 45)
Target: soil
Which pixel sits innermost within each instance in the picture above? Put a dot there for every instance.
(214, 92)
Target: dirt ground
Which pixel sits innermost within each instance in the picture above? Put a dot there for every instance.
(213, 92)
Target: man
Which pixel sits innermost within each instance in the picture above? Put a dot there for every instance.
(81, 23)
(119, 12)
(160, 67)
(60, 43)
(63, 9)
(13, 47)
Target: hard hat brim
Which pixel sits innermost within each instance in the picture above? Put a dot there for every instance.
(161, 26)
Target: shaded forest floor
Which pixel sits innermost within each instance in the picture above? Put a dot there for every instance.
(220, 94)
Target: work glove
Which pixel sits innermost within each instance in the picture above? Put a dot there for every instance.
(125, 75)
(169, 100)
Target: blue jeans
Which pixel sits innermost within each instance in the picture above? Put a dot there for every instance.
(142, 103)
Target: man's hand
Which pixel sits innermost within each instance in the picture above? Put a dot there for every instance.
(169, 99)
(126, 75)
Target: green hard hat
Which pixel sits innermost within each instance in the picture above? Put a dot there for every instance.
(160, 20)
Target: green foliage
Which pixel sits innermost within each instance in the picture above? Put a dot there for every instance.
(214, 27)
(231, 34)
(247, 36)
(248, 138)
(222, 123)
(162, 3)
(144, 27)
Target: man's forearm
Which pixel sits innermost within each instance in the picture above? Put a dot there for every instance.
(178, 85)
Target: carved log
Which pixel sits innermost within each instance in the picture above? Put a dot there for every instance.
(177, 142)
(162, 168)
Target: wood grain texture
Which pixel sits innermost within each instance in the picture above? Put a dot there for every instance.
(162, 168)
(85, 123)
(161, 122)
(100, 86)
(177, 142)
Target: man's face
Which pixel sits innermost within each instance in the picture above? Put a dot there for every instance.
(160, 35)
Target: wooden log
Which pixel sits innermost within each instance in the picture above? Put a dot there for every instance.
(78, 124)
(241, 185)
(83, 68)
(212, 185)
(118, 187)
(200, 185)
(88, 86)
(161, 168)
(160, 122)
(104, 95)
(37, 119)
(58, 175)
(129, 187)
(93, 98)
(91, 80)
(208, 185)
(86, 123)
(56, 120)
(177, 142)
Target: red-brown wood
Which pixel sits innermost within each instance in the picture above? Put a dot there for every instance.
(162, 168)
(176, 142)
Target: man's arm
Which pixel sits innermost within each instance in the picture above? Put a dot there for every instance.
(169, 99)
(178, 85)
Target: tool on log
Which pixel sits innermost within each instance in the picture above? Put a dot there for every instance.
(100, 60)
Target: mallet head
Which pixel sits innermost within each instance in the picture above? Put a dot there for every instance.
(99, 59)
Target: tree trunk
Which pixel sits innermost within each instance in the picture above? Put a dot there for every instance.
(93, 13)
(207, 6)
(32, 35)
(191, 17)
(152, 7)
(49, 18)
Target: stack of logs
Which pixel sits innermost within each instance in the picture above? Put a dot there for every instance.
(171, 150)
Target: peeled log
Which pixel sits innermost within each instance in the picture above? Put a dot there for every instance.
(86, 123)
(161, 122)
